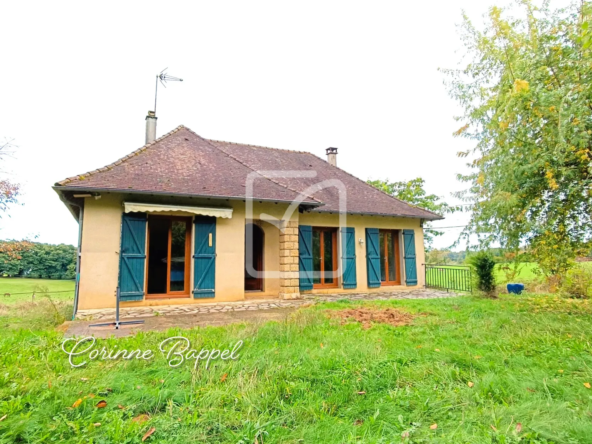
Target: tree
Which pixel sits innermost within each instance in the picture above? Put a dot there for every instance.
(39, 261)
(413, 193)
(9, 193)
(527, 97)
(435, 256)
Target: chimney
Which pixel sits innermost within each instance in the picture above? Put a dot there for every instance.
(332, 156)
(150, 127)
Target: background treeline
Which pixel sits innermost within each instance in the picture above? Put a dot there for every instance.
(447, 257)
(460, 257)
(38, 260)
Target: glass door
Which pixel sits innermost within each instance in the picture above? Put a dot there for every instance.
(390, 267)
(169, 248)
(178, 276)
(324, 257)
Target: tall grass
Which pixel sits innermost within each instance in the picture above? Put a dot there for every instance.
(311, 379)
(18, 290)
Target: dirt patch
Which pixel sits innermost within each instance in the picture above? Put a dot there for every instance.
(253, 318)
(367, 316)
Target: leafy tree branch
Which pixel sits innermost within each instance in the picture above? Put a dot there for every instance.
(412, 192)
(527, 99)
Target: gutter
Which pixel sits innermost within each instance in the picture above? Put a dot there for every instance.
(80, 219)
(358, 213)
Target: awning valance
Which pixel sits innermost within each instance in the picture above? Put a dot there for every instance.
(133, 207)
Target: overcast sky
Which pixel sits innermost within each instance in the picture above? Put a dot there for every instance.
(78, 78)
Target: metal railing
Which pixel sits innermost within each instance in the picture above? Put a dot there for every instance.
(448, 277)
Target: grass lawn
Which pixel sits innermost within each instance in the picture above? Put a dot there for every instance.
(61, 290)
(466, 370)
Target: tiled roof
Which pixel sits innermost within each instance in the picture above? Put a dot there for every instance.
(360, 197)
(182, 162)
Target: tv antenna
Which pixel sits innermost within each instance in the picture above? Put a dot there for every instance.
(163, 77)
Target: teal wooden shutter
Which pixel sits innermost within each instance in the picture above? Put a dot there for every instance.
(348, 251)
(372, 257)
(409, 256)
(132, 257)
(305, 256)
(204, 257)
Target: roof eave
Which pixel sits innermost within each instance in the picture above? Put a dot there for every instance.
(406, 216)
(59, 188)
(69, 205)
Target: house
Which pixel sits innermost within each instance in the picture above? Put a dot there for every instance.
(187, 220)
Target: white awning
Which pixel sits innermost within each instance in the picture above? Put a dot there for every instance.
(133, 207)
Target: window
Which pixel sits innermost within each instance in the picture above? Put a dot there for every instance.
(390, 266)
(169, 248)
(324, 257)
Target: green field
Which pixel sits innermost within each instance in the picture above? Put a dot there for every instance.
(527, 273)
(467, 370)
(21, 290)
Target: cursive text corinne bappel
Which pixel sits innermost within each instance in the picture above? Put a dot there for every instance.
(176, 350)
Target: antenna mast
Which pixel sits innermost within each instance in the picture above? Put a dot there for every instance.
(163, 77)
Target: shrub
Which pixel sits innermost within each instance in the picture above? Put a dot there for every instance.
(483, 264)
(577, 283)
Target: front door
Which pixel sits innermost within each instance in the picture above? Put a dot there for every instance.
(390, 260)
(253, 258)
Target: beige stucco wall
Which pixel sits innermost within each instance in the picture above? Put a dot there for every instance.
(101, 244)
(100, 254)
(99, 265)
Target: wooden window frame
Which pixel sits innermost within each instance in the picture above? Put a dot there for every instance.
(333, 231)
(396, 255)
(171, 294)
